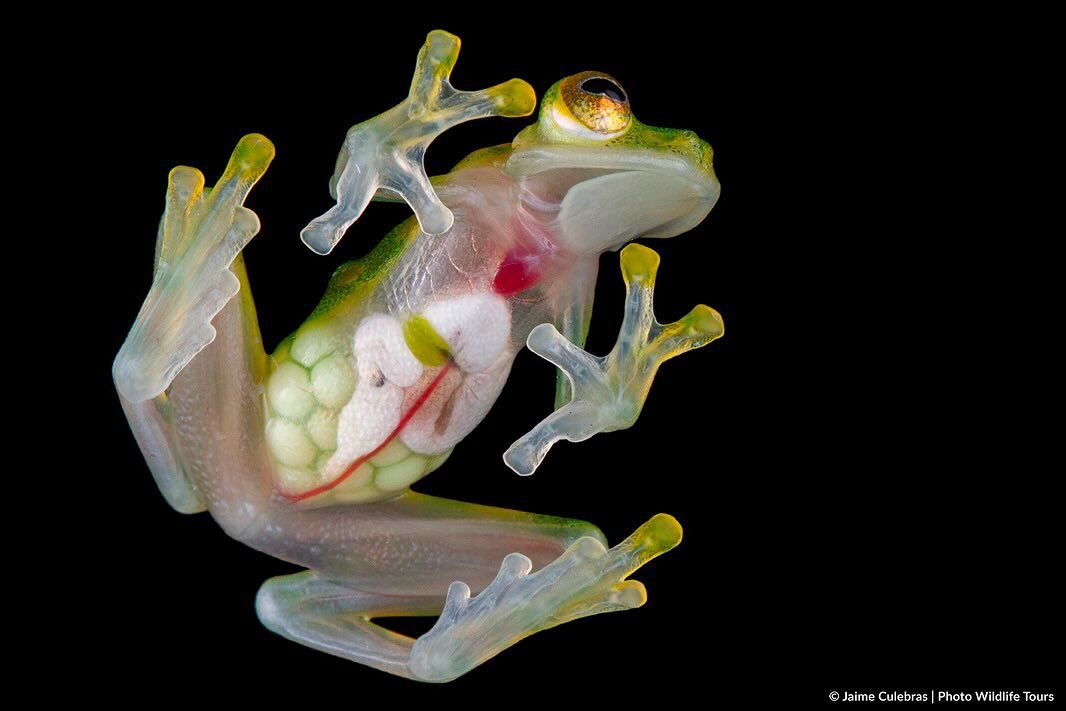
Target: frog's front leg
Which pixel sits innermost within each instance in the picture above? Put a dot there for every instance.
(198, 270)
(609, 392)
(386, 152)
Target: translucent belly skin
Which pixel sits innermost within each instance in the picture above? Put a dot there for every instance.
(357, 410)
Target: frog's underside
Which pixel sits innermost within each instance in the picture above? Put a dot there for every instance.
(308, 454)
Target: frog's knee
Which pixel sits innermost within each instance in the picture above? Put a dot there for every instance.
(272, 607)
(571, 530)
(269, 607)
(551, 536)
(584, 529)
(279, 597)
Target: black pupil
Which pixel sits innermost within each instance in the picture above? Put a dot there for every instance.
(606, 87)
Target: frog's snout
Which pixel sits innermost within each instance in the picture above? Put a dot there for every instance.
(704, 156)
(695, 184)
(696, 151)
(687, 145)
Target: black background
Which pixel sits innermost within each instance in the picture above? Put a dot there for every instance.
(857, 512)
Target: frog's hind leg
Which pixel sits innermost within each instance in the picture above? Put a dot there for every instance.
(587, 579)
(333, 612)
(337, 619)
(394, 558)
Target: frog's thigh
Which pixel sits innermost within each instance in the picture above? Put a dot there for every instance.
(397, 559)
(418, 544)
(467, 542)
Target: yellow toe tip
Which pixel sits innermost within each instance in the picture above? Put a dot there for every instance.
(663, 531)
(639, 261)
(516, 98)
(706, 321)
(442, 48)
(631, 594)
(186, 177)
(254, 151)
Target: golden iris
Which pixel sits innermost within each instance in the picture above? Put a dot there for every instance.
(597, 101)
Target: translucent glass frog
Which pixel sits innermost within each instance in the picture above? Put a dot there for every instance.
(309, 454)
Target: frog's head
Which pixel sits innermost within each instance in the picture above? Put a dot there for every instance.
(611, 178)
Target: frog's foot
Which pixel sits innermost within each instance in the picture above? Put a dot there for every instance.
(201, 233)
(585, 580)
(609, 392)
(386, 152)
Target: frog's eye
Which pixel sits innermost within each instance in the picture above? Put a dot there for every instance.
(597, 102)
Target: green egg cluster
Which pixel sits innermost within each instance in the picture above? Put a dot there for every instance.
(384, 475)
(314, 377)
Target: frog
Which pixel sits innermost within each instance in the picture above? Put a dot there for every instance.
(309, 453)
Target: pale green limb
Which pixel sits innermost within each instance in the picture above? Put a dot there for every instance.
(585, 580)
(386, 152)
(153, 429)
(609, 392)
(577, 577)
(202, 233)
(573, 317)
(154, 421)
(336, 619)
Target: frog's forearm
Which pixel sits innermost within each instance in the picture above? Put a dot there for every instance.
(609, 391)
(386, 152)
(573, 318)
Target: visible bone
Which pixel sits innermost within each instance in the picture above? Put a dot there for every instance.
(609, 392)
(202, 233)
(586, 579)
(387, 151)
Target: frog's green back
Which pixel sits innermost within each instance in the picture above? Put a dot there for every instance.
(354, 280)
(490, 156)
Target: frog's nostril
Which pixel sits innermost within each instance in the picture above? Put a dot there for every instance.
(691, 142)
(704, 153)
(696, 148)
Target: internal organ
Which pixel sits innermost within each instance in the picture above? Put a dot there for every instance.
(395, 389)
